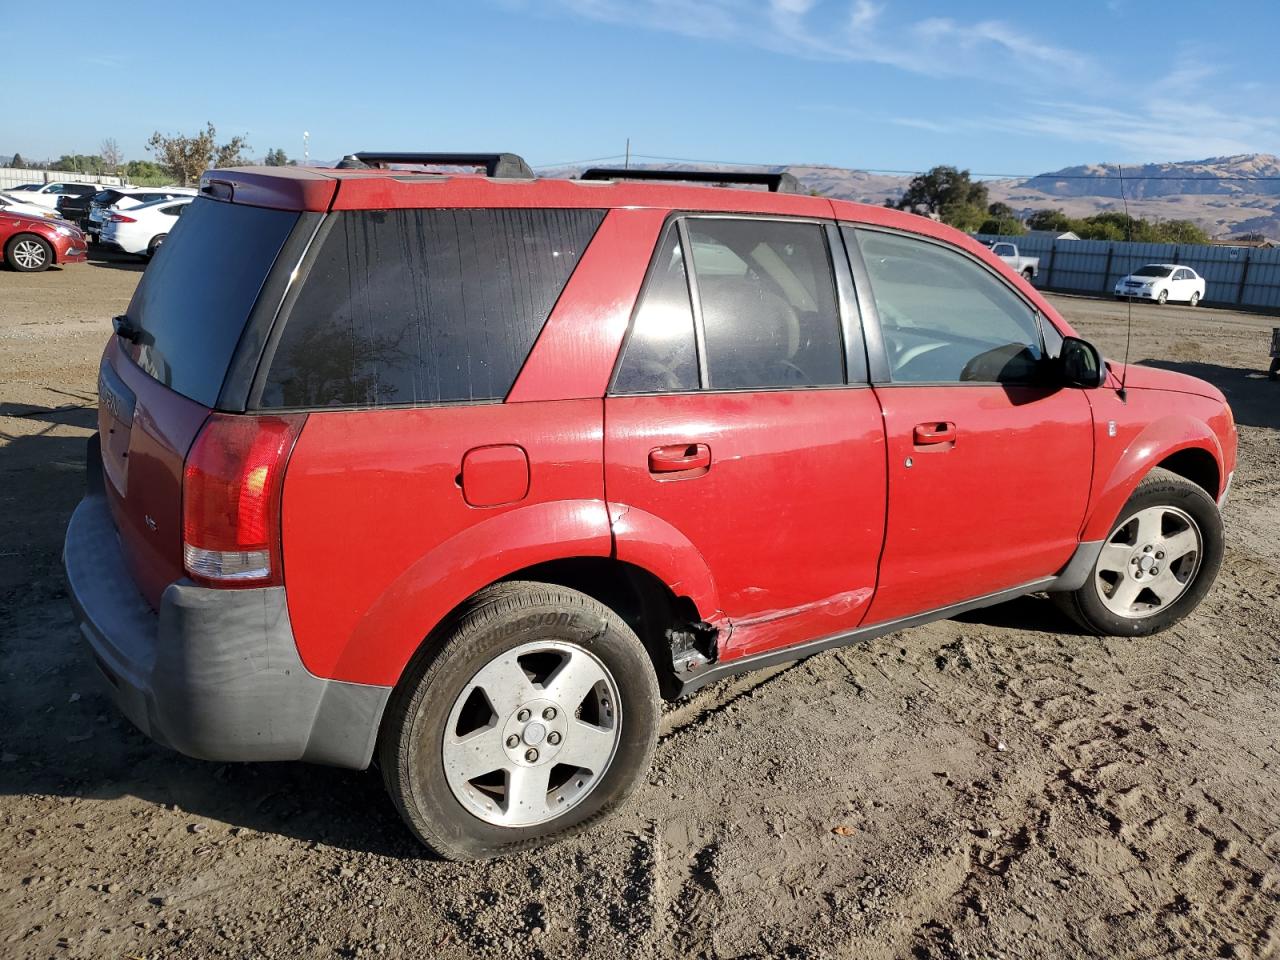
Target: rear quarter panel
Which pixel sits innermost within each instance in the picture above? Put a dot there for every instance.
(380, 543)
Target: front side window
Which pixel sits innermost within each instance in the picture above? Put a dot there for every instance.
(768, 303)
(424, 306)
(946, 319)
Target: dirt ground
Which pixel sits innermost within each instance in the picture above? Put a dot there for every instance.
(993, 786)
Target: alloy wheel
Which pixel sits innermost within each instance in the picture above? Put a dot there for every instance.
(29, 254)
(1148, 562)
(532, 734)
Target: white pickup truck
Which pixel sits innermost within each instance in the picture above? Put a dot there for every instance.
(1008, 252)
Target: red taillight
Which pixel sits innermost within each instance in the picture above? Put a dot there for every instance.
(231, 487)
(121, 218)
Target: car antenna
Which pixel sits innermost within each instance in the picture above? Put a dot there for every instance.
(1128, 333)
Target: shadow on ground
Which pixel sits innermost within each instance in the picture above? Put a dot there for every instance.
(1254, 399)
(59, 731)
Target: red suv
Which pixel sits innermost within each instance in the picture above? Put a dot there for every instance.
(466, 472)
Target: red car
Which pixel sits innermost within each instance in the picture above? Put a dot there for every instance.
(32, 244)
(468, 471)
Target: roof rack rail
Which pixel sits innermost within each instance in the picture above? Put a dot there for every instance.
(506, 166)
(776, 182)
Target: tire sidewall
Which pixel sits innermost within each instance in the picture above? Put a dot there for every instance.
(1170, 491)
(428, 803)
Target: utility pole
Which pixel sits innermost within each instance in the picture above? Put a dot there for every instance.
(627, 163)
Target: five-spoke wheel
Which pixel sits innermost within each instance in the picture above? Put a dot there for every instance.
(1149, 561)
(1158, 562)
(527, 716)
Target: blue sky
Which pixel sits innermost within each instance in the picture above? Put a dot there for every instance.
(998, 88)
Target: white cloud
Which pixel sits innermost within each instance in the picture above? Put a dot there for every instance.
(844, 30)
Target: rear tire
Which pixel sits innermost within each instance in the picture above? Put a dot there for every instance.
(533, 717)
(154, 245)
(1195, 299)
(1028, 274)
(1133, 591)
(28, 253)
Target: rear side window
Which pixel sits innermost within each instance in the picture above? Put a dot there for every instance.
(661, 354)
(195, 298)
(424, 306)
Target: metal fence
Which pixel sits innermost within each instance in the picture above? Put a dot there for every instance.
(10, 177)
(1234, 276)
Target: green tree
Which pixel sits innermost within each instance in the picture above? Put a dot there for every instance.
(1002, 221)
(276, 158)
(1054, 220)
(1181, 231)
(79, 163)
(949, 194)
(17, 162)
(187, 157)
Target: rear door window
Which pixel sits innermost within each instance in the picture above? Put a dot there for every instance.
(768, 303)
(424, 306)
(193, 302)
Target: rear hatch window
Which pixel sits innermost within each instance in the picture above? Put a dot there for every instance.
(197, 294)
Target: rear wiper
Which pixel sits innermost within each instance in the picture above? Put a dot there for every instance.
(125, 328)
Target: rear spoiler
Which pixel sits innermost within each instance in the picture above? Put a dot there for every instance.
(506, 166)
(776, 182)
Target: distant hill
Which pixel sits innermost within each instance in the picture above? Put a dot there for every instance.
(1187, 190)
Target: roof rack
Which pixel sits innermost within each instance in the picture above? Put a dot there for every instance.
(503, 165)
(776, 182)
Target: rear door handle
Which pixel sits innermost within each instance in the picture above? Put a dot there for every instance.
(680, 458)
(934, 432)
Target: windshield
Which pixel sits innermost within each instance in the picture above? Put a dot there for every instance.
(1154, 270)
(195, 298)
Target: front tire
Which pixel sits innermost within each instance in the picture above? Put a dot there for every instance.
(1158, 562)
(535, 716)
(1163, 298)
(28, 253)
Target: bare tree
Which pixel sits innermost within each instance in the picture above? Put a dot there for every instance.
(187, 157)
(111, 155)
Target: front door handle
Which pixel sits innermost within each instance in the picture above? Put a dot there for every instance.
(684, 458)
(934, 432)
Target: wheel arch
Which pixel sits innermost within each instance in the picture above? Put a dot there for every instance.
(1179, 444)
(609, 562)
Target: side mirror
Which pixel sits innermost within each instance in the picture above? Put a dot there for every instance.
(1081, 364)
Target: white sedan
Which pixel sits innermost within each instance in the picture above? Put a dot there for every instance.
(142, 229)
(1163, 282)
(21, 209)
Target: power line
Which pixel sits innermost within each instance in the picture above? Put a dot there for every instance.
(1208, 178)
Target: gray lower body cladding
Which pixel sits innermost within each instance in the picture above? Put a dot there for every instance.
(216, 673)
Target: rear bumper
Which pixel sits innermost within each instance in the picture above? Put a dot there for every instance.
(216, 673)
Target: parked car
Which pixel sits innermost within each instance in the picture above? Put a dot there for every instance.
(467, 472)
(32, 244)
(23, 187)
(47, 194)
(123, 198)
(1162, 282)
(74, 207)
(19, 209)
(1029, 267)
(143, 228)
